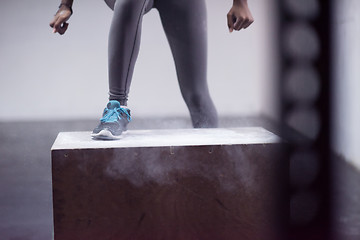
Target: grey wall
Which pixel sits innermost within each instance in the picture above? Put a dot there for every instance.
(47, 76)
(347, 80)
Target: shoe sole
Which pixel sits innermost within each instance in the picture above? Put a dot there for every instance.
(106, 135)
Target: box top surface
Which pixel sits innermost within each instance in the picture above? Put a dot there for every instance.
(168, 137)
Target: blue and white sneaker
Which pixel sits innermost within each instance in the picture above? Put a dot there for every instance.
(113, 122)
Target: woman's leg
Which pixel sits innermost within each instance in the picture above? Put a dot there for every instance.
(185, 25)
(124, 41)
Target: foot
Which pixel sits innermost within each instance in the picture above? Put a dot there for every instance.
(113, 122)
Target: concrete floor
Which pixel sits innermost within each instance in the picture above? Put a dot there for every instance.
(25, 176)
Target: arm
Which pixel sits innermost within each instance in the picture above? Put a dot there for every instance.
(239, 16)
(59, 23)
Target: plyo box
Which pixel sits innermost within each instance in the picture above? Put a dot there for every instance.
(167, 184)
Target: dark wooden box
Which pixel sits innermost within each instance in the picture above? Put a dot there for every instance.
(167, 184)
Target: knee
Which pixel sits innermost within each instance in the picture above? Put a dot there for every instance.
(127, 6)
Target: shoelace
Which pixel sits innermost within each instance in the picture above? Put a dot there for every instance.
(109, 117)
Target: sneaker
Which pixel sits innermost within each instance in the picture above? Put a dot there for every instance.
(113, 122)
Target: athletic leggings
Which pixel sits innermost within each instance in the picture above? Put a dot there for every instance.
(184, 22)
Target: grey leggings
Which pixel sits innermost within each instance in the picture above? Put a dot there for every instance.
(184, 22)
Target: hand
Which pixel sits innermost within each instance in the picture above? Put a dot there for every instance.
(59, 23)
(239, 17)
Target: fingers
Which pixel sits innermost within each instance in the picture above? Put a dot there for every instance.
(53, 22)
(59, 26)
(242, 23)
(238, 24)
(63, 28)
(239, 17)
(230, 21)
(248, 23)
(59, 22)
